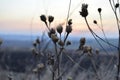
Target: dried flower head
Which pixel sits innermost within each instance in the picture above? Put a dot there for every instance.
(68, 43)
(50, 60)
(99, 10)
(82, 41)
(84, 11)
(50, 19)
(34, 44)
(117, 5)
(61, 43)
(52, 31)
(95, 22)
(43, 18)
(54, 38)
(87, 49)
(34, 51)
(68, 29)
(40, 66)
(70, 22)
(37, 41)
(59, 29)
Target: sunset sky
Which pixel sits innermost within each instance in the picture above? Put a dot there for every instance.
(22, 16)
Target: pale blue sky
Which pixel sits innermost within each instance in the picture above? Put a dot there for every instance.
(16, 16)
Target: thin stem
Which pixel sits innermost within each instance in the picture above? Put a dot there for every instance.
(47, 26)
(94, 67)
(53, 75)
(94, 36)
(103, 29)
(68, 15)
(71, 59)
(117, 20)
(100, 37)
(66, 37)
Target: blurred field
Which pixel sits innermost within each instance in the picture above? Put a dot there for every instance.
(16, 60)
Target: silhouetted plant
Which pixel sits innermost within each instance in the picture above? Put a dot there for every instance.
(84, 14)
(58, 42)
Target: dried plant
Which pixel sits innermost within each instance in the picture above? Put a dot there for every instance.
(58, 43)
(114, 6)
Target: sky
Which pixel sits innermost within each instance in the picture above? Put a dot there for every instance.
(22, 16)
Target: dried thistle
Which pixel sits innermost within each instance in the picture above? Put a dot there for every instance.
(82, 41)
(87, 49)
(99, 10)
(117, 5)
(68, 43)
(34, 44)
(84, 11)
(52, 31)
(54, 38)
(34, 51)
(68, 29)
(43, 18)
(59, 29)
(95, 22)
(70, 22)
(37, 41)
(50, 60)
(50, 19)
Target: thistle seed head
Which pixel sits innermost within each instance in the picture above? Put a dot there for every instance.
(70, 22)
(82, 41)
(68, 43)
(50, 19)
(37, 41)
(43, 18)
(117, 5)
(54, 38)
(35, 44)
(68, 29)
(84, 11)
(99, 10)
(95, 22)
(59, 29)
(87, 49)
(40, 66)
